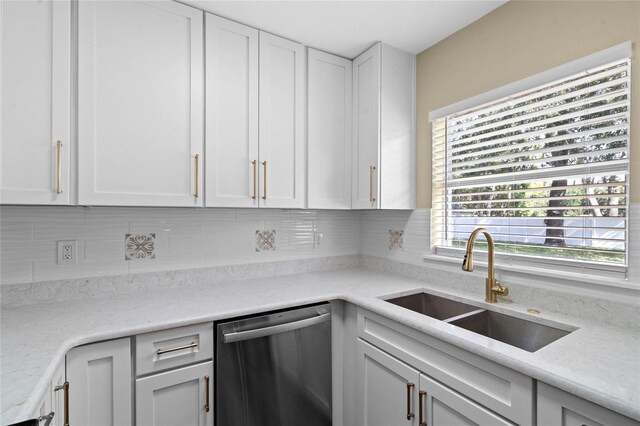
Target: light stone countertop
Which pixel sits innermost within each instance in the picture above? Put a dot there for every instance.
(596, 362)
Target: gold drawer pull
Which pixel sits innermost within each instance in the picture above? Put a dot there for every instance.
(410, 414)
(177, 348)
(255, 172)
(422, 399)
(197, 176)
(206, 386)
(64, 387)
(264, 194)
(372, 170)
(58, 167)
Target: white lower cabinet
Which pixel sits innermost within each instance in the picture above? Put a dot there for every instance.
(481, 387)
(393, 393)
(174, 371)
(176, 397)
(174, 384)
(100, 383)
(559, 408)
(388, 388)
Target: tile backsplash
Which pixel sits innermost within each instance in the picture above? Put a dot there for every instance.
(395, 234)
(405, 236)
(110, 238)
(121, 240)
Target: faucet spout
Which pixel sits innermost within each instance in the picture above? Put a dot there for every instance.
(493, 287)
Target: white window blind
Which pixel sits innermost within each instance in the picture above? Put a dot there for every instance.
(544, 170)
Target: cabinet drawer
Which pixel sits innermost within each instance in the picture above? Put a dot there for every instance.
(173, 348)
(500, 389)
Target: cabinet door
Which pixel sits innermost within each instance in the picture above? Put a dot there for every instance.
(100, 381)
(397, 130)
(232, 113)
(177, 397)
(442, 406)
(282, 127)
(140, 94)
(389, 389)
(35, 40)
(556, 407)
(329, 112)
(366, 129)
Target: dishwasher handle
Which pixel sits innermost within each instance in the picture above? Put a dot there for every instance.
(238, 336)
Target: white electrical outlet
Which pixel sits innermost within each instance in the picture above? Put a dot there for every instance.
(67, 252)
(317, 238)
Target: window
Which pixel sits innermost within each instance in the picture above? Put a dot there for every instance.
(544, 170)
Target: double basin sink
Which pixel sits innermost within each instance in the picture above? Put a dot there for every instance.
(513, 331)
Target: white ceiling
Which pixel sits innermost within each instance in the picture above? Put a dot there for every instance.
(347, 28)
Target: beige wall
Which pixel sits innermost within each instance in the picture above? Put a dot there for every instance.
(519, 39)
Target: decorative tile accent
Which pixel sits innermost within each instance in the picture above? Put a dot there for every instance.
(396, 239)
(266, 240)
(139, 246)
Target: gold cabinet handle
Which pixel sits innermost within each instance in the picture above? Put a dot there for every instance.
(206, 386)
(422, 399)
(65, 388)
(58, 167)
(372, 170)
(264, 193)
(255, 166)
(197, 194)
(410, 387)
(177, 348)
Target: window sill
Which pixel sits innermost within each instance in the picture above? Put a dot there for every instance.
(551, 277)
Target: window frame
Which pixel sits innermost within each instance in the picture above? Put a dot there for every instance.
(609, 273)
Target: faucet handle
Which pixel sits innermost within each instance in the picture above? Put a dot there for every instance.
(499, 289)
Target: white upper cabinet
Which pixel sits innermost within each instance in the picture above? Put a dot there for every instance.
(35, 87)
(329, 131)
(140, 103)
(232, 113)
(255, 124)
(282, 135)
(366, 129)
(384, 129)
(397, 130)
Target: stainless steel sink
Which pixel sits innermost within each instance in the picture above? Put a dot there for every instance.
(513, 331)
(433, 306)
(527, 335)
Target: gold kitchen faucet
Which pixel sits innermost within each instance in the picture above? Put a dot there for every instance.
(493, 287)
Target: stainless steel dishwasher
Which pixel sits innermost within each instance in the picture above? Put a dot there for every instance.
(275, 369)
